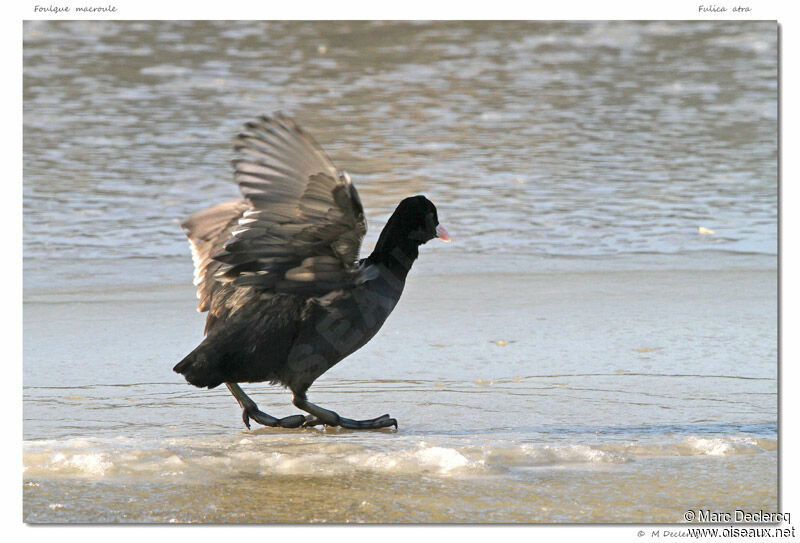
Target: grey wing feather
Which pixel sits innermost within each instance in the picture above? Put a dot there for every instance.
(208, 231)
(303, 228)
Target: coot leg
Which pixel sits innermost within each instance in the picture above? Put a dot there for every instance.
(250, 411)
(331, 418)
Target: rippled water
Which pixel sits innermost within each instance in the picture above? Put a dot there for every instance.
(582, 352)
(535, 140)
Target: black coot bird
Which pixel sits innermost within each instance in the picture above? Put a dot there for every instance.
(280, 276)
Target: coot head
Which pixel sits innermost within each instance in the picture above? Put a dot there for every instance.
(416, 217)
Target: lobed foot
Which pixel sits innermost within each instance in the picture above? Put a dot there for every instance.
(370, 424)
(380, 422)
(251, 411)
(292, 421)
(317, 415)
(331, 418)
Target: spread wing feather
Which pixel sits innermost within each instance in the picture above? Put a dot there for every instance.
(207, 232)
(299, 228)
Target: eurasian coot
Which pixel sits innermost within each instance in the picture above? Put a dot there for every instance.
(280, 276)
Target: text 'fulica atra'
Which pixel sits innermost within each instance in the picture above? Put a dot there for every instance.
(280, 276)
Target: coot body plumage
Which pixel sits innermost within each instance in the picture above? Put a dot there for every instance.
(280, 276)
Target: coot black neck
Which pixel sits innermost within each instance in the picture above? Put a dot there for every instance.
(395, 253)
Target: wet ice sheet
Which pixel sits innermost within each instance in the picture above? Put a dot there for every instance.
(672, 373)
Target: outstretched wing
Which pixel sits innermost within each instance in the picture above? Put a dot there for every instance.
(303, 228)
